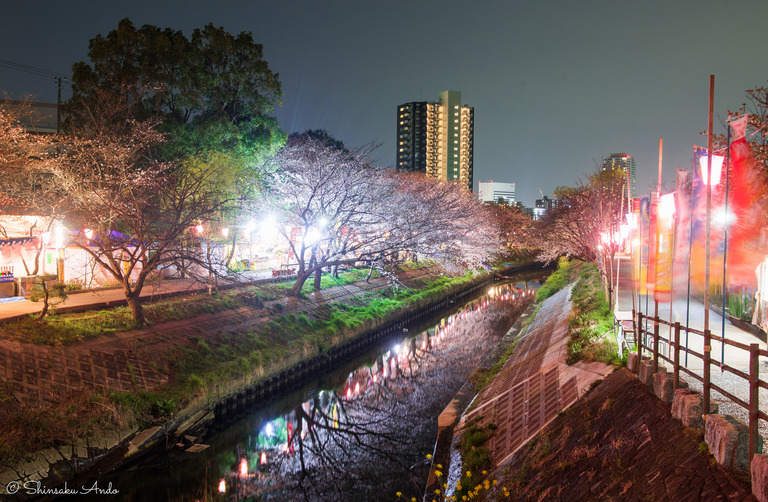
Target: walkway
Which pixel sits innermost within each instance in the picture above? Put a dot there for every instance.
(109, 297)
(535, 383)
(681, 310)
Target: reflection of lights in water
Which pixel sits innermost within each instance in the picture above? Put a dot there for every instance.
(222, 486)
(244, 467)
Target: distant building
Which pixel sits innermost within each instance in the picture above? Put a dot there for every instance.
(541, 207)
(42, 117)
(625, 163)
(437, 138)
(494, 191)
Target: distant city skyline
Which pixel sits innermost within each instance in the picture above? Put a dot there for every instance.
(555, 85)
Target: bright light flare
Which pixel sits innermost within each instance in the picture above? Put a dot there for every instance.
(222, 486)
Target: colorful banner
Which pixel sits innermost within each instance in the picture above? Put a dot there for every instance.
(665, 219)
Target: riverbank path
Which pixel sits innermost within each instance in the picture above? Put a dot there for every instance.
(87, 299)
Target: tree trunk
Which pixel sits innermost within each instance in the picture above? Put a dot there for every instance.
(335, 271)
(137, 310)
(318, 277)
(45, 302)
(301, 278)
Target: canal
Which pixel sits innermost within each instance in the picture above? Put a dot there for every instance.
(361, 432)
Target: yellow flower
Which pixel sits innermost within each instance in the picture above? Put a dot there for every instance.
(469, 474)
(439, 466)
(413, 499)
(429, 455)
(485, 472)
(495, 481)
(399, 494)
(437, 491)
(438, 473)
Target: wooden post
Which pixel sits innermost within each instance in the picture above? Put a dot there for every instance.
(676, 380)
(754, 378)
(707, 357)
(639, 337)
(656, 343)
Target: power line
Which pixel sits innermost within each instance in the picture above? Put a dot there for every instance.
(40, 72)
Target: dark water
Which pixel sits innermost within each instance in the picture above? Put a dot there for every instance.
(361, 432)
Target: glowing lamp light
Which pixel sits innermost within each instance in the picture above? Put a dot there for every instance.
(624, 231)
(225, 232)
(357, 387)
(349, 392)
(199, 228)
(263, 458)
(222, 486)
(667, 203)
(717, 165)
(88, 233)
(243, 467)
(46, 237)
(605, 237)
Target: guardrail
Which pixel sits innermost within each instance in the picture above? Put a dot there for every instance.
(644, 335)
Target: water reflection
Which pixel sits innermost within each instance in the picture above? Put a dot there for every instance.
(367, 439)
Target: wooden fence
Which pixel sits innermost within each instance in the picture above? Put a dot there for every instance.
(649, 339)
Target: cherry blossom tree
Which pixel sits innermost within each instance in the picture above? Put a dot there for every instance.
(132, 215)
(334, 209)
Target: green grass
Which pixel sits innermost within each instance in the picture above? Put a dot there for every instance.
(591, 319)
(567, 272)
(65, 329)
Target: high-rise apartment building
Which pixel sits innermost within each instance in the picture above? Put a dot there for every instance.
(625, 163)
(437, 138)
(493, 191)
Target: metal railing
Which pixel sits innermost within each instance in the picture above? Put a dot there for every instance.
(644, 335)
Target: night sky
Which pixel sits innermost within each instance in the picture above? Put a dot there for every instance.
(556, 85)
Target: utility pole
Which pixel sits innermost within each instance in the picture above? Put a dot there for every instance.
(58, 105)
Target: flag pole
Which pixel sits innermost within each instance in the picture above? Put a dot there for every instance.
(690, 250)
(725, 243)
(707, 336)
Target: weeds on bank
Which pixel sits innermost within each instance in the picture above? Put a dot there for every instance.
(567, 272)
(473, 485)
(591, 318)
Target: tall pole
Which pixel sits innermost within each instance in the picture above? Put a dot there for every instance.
(709, 200)
(707, 334)
(656, 242)
(58, 106)
(725, 245)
